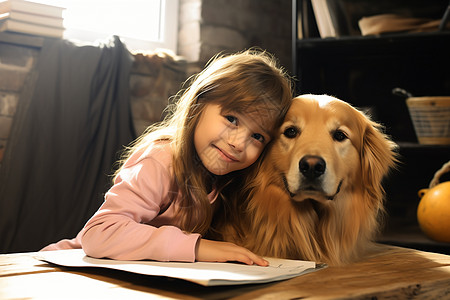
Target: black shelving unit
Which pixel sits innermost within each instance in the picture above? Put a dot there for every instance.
(363, 70)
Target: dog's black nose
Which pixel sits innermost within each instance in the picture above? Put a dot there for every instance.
(312, 166)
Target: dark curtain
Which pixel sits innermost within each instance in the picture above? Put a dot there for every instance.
(64, 141)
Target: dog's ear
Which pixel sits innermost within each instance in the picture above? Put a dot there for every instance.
(378, 156)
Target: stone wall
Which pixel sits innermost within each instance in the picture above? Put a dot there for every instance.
(207, 27)
(155, 79)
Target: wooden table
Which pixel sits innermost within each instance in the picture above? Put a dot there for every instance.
(393, 272)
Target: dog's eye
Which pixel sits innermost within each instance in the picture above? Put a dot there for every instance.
(291, 132)
(339, 135)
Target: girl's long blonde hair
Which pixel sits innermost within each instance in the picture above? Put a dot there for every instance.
(245, 82)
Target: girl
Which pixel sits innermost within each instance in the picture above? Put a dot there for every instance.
(171, 180)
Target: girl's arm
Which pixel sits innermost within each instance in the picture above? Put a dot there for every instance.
(122, 227)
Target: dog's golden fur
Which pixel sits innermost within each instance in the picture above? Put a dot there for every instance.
(318, 193)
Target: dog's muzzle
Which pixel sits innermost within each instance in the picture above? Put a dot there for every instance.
(312, 168)
(312, 191)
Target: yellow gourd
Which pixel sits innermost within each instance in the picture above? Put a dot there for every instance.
(433, 212)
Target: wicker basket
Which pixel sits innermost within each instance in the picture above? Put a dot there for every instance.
(431, 119)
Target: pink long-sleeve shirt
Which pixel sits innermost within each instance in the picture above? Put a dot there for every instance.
(137, 219)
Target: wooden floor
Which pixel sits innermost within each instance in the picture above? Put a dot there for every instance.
(391, 273)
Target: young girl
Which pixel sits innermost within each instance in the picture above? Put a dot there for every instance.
(172, 178)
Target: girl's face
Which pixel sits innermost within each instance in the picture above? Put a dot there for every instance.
(227, 142)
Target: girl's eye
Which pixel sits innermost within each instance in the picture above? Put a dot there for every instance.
(291, 132)
(258, 137)
(339, 135)
(232, 119)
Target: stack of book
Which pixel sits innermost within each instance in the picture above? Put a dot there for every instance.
(31, 18)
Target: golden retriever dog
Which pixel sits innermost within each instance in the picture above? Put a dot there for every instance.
(317, 194)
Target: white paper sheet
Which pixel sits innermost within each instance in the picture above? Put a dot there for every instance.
(203, 273)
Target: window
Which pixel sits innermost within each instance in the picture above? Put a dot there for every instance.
(141, 24)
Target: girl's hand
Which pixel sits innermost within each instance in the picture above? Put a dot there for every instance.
(215, 251)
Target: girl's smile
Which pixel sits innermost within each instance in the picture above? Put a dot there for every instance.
(227, 157)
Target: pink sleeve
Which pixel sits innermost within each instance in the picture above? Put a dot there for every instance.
(120, 229)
